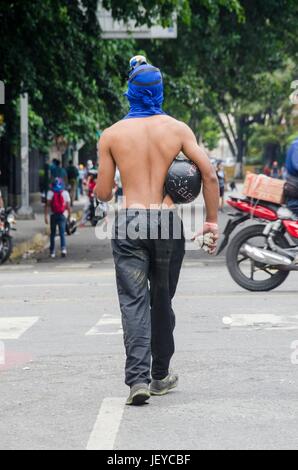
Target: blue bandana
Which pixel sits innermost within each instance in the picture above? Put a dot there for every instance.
(145, 92)
(58, 185)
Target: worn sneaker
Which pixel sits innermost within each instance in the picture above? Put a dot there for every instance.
(53, 255)
(64, 253)
(162, 387)
(139, 395)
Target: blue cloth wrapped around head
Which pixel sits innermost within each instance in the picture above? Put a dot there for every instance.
(145, 92)
(58, 185)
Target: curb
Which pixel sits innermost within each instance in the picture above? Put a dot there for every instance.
(25, 249)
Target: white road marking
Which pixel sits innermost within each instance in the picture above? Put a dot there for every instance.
(105, 325)
(77, 284)
(49, 300)
(15, 327)
(216, 295)
(73, 266)
(19, 267)
(104, 434)
(262, 321)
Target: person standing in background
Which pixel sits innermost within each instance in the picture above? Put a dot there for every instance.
(284, 173)
(91, 184)
(57, 171)
(53, 168)
(72, 175)
(267, 170)
(58, 201)
(82, 174)
(90, 165)
(275, 172)
(45, 180)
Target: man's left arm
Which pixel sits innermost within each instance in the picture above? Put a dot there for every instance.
(107, 169)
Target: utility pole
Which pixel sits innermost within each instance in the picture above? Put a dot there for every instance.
(25, 212)
(77, 147)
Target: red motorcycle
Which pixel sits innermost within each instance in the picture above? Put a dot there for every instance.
(261, 256)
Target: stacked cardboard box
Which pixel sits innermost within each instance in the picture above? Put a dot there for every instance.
(263, 188)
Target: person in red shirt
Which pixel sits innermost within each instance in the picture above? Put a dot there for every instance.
(91, 185)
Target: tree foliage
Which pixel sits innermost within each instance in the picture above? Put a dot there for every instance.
(234, 58)
(223, 64)
(56, 55)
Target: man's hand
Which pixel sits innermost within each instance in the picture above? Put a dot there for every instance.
(209, 244)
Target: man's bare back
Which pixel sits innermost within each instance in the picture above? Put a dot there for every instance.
(143, 149)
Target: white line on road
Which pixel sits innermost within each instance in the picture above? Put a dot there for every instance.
(102, 328)
(262, 321)
(15, 327)
(77, 284)
(19, 267)
(51, 300)
(214, 296)
(73, 266)
(104, 434)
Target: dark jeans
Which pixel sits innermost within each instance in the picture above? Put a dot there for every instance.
(147, 314)
(58, 220)
(81, 187)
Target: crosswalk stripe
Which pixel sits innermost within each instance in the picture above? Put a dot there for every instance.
(107, 326)
(262, 321)
(57, 285)
(104, 434)
(15, 327)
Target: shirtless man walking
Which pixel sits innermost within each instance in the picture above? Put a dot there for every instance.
(143, 146)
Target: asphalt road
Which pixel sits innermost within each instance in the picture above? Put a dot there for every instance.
(62, 381)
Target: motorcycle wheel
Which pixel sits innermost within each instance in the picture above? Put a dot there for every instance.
(6, 249)
(244, 270)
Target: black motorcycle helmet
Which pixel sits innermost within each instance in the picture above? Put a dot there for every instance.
(71, 227)
(184, 181)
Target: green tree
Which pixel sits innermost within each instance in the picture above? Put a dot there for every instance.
(55, 53)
